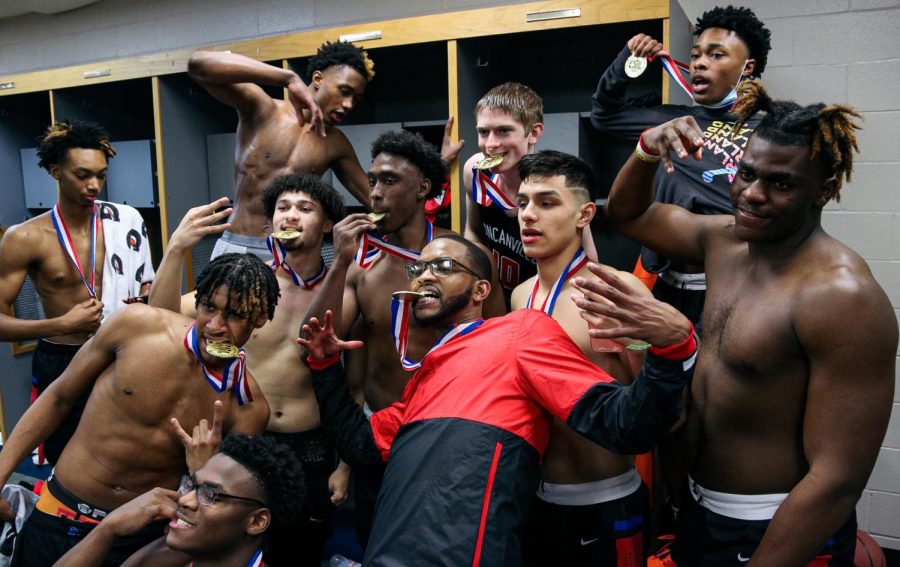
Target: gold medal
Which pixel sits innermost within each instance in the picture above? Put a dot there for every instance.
(488, 162)
(222, 349)
(635, 66)
(407, 295)
(375, 217)
(286, 234)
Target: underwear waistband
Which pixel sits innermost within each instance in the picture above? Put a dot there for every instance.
(55, 500)
(588, 493)
(244, 240)
(57, 348)
(748, 507)
(694, 282)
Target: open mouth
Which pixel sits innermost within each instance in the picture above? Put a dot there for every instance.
(337, 117)
(530, 235)
(699, 84)
(429, 296)
(181, 524)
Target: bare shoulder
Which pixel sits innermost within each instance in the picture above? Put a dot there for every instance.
(137, 321)
(520, 294)
(30, 238)
(627, 277)
(339, 145)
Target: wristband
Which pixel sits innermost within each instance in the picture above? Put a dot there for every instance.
(678, 351)
(643, 153)
(321, 363)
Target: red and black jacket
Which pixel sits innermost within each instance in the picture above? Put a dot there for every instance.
(463, 444)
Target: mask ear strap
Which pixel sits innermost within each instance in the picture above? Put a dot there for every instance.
(741, 76)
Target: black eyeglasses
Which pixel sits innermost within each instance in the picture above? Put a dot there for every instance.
(207, 495)
(440, 267)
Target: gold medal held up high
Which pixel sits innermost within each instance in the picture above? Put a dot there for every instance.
(635, 66)
(488, 162)
(286, 234)
(222, 349)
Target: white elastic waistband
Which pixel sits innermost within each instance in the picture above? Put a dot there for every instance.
(588, 493)
(695, 282)
(367, 410)
(749, 507)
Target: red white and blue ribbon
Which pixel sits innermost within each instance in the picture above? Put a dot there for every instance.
(234, 375)
(371, 245)
(68, 244)
(485, 191)
(677, 70)
(571, 269)
(279, 257)
(400, 314)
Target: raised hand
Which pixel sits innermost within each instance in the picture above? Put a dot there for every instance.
(681, 136)
(638, 315)
(321, 341)
(643, 45)
(204, 442)
(449, 150)
(140, 512)
(346, 234)
(301, 97)
(199, 222)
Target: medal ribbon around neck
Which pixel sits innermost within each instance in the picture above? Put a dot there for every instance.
(676, 69)
(400, 314)
(486, 192)
(279, 256)
(570, 270)
(371, 245)
(68, 244)
(234, 375)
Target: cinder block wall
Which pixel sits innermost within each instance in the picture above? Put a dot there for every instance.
(823, 50)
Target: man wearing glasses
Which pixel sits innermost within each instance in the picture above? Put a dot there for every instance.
(219, 514)
(464, 442)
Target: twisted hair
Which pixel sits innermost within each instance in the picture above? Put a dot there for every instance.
(247, 278)
(744, 23)
(827, 130)
(275, 469)
(317, 189)
(417, 151)
(63, 136)
(339, 53)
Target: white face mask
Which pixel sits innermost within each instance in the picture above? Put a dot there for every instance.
(732, 95)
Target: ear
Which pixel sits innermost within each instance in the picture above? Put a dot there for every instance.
(585, 214)
(328, 226)
(482, 291)
(827, 192)
(424, 189)
(316, 79)
(749, 68)
(54, 171)
(259, 521)
(536, 131)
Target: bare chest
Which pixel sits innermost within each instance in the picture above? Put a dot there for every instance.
(281, 147)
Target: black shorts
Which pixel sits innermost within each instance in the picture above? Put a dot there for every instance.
(50, 360)
(302, 542)
(606, 534)
(705, 538)
(45, 538)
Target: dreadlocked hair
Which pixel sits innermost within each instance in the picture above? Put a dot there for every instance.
(339, 53)
(251, 285)
(61, 137)
(744, 23)
(827, 130)
(276, 470)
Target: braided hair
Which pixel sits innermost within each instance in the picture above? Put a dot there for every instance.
(827, 130)
(251, 284)
(63, 136)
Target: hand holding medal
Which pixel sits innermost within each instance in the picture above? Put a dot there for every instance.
(642, 47)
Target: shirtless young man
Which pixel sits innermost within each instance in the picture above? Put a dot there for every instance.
(305, 204)
(140, 373)
(792, 393)
(220, 514)
(590, 506)
(273, 137)
(76, 154)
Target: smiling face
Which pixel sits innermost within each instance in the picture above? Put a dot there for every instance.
(499, 133)
(778, 191)
(398, 189)
(216, 530)
(219, 320)
(338, 89)
(297, 210)
(717, 58)
(81, 175)
(551, 215)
